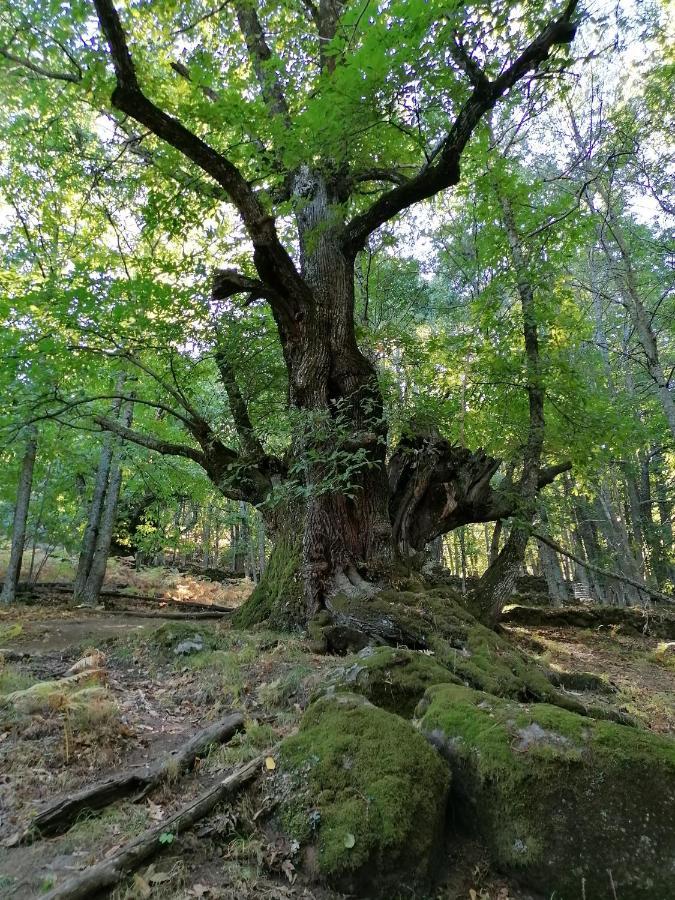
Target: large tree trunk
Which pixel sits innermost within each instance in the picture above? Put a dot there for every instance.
(20, 519)
(346, 525)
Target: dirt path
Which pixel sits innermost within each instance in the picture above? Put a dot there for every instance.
(77, 632)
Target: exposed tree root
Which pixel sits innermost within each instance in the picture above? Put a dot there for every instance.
(108, 873)
(59, 816)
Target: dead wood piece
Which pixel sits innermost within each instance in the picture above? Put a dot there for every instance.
(108, 873)
(651, 592)
(59, 816)
(63, 588)
(167, 614)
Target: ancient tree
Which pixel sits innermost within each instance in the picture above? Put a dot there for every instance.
(355, 530)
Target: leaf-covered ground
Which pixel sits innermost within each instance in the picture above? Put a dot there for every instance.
(151, 698)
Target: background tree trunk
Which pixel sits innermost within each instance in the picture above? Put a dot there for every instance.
(94, 582)
(20, 518)
(92, 527)
(498, 581)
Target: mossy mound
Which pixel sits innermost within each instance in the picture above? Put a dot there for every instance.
(558, 799)
(365, 796)
(391, 678)
(435, 619)
(277, 601)
(168, 635)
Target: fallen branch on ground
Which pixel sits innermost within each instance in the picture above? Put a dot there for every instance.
(607, 574)
(168, 614)
(59, 587)
(111, 871)
(59, 816)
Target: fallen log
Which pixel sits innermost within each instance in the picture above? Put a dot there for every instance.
(108, 873)
(60, 587)
(168, 614)
(656, 624)
(58, 817)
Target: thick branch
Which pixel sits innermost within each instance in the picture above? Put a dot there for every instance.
(436, 486)
(40, 70)
(166, 448)
(229, 282)
(272, 261)
(442, 171)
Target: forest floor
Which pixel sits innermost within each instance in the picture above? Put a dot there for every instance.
(151, 699)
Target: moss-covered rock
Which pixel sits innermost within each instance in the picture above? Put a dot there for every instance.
(170, 634)
(365, 796)
(391, 678)
(560, 799)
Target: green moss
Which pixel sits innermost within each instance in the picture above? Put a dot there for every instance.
(558, 797)
(11, 679)
(664, 655)
(364, 788)
(391, 678)
(169, 634)
(278, 598)
(472, 652)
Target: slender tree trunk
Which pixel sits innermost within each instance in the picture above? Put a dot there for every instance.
(91, 530)
(245, 539)
(261, 545)
(494, 543)
(94, 583)
(20, 518)
(498, 581)
(38, 524)
(625, 278)
(206, 538)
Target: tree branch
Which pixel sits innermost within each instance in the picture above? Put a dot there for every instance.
(242, 421)
(260, 55)
(40, 70)
(442, 170)
(166, 448)
(273, 263)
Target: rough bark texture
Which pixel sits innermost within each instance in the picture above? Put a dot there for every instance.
(20, 519)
